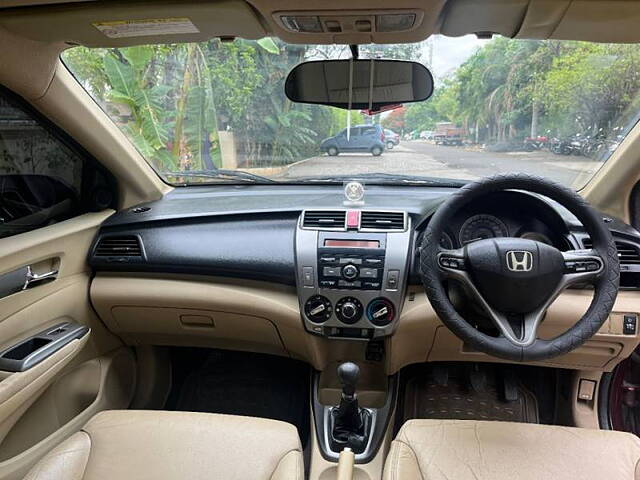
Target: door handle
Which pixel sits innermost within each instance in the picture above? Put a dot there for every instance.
(33, 279)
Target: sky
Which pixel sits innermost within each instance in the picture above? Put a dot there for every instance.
(450, 52)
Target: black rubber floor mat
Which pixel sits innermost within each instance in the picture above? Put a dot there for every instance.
(240, 383)
(425, 398)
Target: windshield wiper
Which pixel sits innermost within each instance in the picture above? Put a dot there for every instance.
(385, 178)
(221, 174)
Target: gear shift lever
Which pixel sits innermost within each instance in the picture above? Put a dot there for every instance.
(349, 373)
(349, 419)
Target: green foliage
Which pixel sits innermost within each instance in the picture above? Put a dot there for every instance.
(566, 87)
(126, 76)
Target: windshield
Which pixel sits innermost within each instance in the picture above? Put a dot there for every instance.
(216, 111)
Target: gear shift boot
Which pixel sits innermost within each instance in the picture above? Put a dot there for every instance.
(349, 424)
(346, 435)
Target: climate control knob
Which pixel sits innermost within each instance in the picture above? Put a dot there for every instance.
(318, 309)
(349, 310)
(381, 312)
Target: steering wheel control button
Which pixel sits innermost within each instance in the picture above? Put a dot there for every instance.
(393, 279)
(308, 278)
(349, 310)
(581, 266)
(350, 272)
(451, 262)
(380, 312)
(318, 309)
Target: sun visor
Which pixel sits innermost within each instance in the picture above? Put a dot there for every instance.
(116, 24)
(542, 18)
(614, 21)
(463, 17)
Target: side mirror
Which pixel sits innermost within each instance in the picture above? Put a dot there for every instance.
(359, 84)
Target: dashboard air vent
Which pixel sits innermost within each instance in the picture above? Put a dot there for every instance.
(382, 220)
(324, 219)
(628, 253)
(124, 246)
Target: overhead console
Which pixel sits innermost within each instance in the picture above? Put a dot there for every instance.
(361, 21)
(352, 270)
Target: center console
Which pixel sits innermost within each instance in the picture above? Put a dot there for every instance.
(351, 271)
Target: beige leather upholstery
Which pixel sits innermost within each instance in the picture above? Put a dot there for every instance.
(158, 445)
(463, 449)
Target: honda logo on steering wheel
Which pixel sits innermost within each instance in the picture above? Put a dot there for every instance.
(519, 261)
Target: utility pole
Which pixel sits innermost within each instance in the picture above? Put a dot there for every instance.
(535, 109)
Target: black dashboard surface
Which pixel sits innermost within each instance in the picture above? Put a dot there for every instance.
(195, 202)
(247, 231)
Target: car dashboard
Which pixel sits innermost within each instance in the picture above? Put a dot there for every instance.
(340, 273)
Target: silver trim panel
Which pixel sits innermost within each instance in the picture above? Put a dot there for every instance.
(397, 258)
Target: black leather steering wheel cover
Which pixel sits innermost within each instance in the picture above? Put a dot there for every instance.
(605, 286)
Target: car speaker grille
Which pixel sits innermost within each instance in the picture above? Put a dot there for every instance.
(628, 254)
(324, 219)
(382, 221)
(125, 246)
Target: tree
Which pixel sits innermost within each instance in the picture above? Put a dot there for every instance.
(395, 120)
(513, 88)
(164, 98)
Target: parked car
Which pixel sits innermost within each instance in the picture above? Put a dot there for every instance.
(391, 138)
(362, 138)
(426, 135)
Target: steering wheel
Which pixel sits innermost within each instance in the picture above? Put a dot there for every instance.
(515, 280)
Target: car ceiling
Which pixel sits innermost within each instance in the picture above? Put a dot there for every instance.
(73, 22)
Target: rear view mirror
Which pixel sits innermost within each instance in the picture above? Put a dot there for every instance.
(359, 84)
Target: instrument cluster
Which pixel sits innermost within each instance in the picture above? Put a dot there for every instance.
(507, 214)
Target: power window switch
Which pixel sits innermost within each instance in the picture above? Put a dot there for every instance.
(308, 279)
(586, 390)
(629, 324)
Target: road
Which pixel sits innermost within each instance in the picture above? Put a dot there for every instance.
(425, 158)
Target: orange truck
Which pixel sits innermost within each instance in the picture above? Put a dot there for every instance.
(446, 133)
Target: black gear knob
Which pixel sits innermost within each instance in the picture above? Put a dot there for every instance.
(348, 373)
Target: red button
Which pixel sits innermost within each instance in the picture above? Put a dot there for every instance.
(353, 218)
